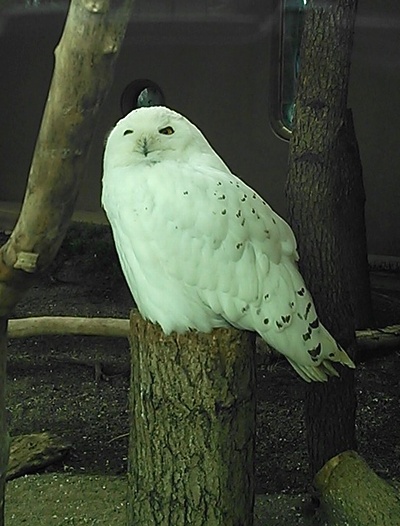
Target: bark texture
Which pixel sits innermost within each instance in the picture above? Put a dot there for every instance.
(351, 493)
(84, 61)
(192, 427)
(319, 191)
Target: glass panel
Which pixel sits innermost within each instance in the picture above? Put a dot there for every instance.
(289, 19)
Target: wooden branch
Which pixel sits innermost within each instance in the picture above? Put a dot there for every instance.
(84, 64)
(351, 493)
(64, 325)
(367, 339)
(373, 339)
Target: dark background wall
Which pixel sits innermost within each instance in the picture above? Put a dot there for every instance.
(219, 77)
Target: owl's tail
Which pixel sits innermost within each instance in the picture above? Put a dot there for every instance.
(325, 369)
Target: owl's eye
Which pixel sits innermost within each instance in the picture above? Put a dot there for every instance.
(168, 130)
(127, 132)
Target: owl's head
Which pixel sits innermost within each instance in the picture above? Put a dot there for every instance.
(154, 134)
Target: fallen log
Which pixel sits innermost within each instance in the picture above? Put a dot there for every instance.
(32, 453)
(351, 493)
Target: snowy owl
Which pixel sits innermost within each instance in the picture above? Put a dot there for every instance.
(200, 249)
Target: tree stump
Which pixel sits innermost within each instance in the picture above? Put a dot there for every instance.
(192, 421)
(352, 494)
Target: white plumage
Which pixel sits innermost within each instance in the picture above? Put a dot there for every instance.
(200, 249)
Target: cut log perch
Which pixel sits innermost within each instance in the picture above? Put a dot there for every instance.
(192, 427)
(351, 493)
(64, 325)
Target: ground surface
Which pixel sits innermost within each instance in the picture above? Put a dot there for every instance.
(52, 387)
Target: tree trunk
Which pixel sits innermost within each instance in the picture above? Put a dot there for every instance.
(192, 427)
(355, 236)
(317, 190)
(4, 437)
(351, 493)
(84, 61)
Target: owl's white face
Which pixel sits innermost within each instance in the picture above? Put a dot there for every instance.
(150, 135)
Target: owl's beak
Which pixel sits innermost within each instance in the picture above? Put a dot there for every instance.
(144, 146)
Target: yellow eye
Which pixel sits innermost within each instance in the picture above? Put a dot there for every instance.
(168, 130)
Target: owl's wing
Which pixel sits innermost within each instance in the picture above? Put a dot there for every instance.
(210, 232)
(237, 253)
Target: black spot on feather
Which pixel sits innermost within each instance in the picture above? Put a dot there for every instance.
(314, 353)
(314, 324)
(307, 310)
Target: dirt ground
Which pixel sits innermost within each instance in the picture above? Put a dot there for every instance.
(52, 387)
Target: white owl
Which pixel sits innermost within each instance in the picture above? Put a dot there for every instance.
(200, 249)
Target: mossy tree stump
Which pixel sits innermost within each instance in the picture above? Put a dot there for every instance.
(192, 419)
